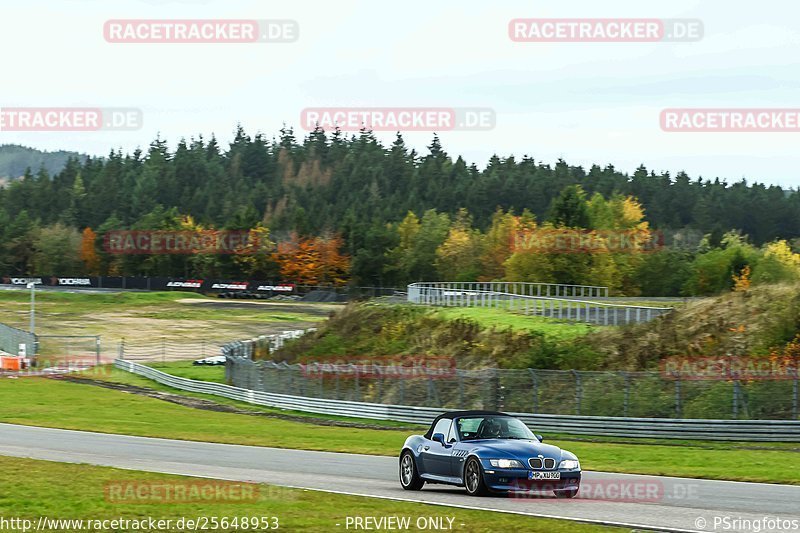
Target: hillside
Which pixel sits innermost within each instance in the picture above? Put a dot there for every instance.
(736, 323)
(14, 159)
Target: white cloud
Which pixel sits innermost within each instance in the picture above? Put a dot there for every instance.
(587, 102)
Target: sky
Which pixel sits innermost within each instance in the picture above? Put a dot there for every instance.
(585, 102)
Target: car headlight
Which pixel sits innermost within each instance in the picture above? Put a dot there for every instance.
(569, 464)
(505, 463)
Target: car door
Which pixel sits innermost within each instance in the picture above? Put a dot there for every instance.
(458, 452)
(435, 455)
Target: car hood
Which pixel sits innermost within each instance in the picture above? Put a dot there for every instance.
(516, 449)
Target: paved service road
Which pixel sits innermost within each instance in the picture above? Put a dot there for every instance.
(665, 503)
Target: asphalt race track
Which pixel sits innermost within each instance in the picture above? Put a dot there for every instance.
(668, 504)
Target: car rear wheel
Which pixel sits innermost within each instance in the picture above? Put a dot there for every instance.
(473, 478)
(409, 477)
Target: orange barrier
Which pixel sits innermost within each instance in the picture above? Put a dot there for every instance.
(11, 363)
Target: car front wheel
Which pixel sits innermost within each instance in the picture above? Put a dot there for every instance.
(473, 478)
(409, 477)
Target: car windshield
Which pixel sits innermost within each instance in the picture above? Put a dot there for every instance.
(493, 427)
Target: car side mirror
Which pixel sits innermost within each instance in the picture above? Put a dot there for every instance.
(439, 437)
(539, 437)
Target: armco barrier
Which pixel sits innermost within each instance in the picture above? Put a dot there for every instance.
(658, 428)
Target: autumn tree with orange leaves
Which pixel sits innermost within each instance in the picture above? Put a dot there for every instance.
(88, 254)
(312, 260)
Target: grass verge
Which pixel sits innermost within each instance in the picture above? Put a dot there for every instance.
(503, 318)
(51, 403)
(31, 489)
(185, 369)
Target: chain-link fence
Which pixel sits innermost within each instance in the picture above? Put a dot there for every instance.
(70, 348)
(12, 339)
(563, 302)
(167, 349)
(626, 394)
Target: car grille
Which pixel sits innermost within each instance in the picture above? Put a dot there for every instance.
(538, 464)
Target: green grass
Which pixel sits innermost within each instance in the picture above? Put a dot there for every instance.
(110, 374)
(503, 318)
(67, 405)
(31, 489)
(185, 369)
(50, 403)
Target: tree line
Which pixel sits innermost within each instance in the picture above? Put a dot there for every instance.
(345, 208)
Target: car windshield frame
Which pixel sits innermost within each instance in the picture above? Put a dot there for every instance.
(503, 434)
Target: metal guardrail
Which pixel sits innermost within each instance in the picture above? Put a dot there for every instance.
(563, 302)
(659, 428)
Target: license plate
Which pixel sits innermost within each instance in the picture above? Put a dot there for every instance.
(544, 475)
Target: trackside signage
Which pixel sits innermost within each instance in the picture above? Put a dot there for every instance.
(81, 282)
(233, 286)
(188, 284)
(22, 281)
(276, 288)
(266, 287)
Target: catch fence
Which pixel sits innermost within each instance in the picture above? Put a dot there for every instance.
(167, 349)
(556, 392)
(86, 348)
(562, 302)
(12, 339)
(658, 428)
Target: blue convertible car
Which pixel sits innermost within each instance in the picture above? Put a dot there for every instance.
(485, 451)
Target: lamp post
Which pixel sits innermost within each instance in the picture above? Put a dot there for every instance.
(32, 287)
(35, 347)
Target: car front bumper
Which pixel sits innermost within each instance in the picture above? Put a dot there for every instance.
(505, 480)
